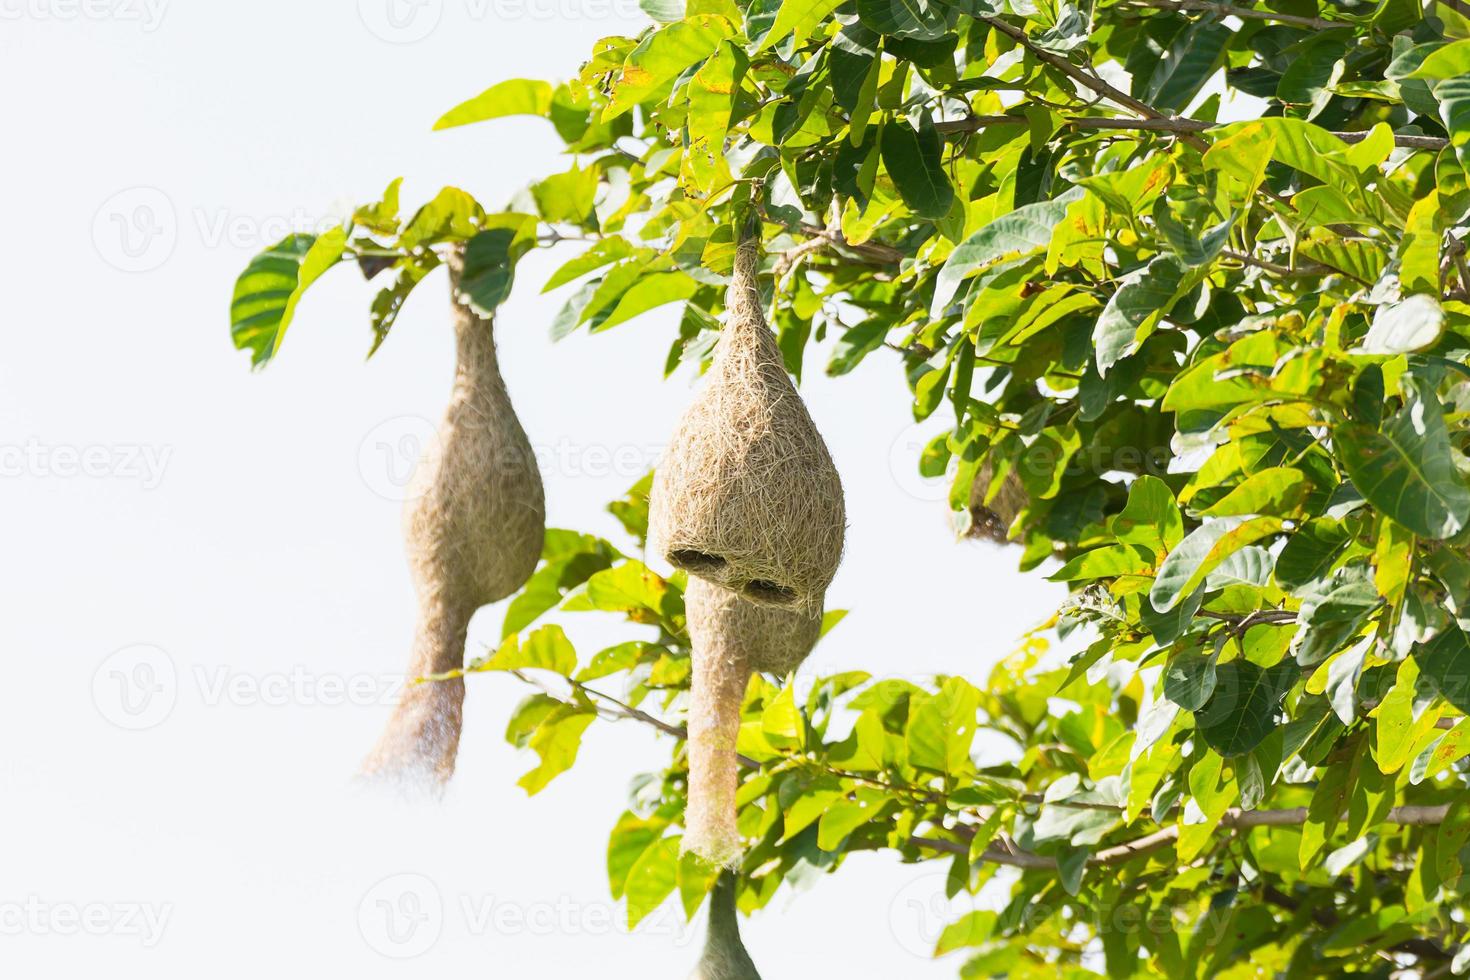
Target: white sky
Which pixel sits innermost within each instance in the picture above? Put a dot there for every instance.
(241, 525)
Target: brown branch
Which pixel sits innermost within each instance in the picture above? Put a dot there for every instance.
(1162, 123)
(1079, 76)
(1007, 852)
(1244, 13)
(1403, 816)
(1422, 948)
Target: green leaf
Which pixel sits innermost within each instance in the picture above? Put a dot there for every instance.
(800, 17)
(561, 572)
(1454, 108)
(840, 819)
(1412, 325)
(1419, 248)
(1204, 548)
(1109, 561)
(623, 656)
(1242, 710)
(971, 929)
(1278, 490)
(628, 587)
(804, 810)
(1196, 53)
(1151, 517)
(567, 197)
(1450, 61)
(942, 726)
(1405, 469)
(490, 259)
(1189, 680)
(515, 97)
(556, 741)
(1135, 309)
(1313, 70)
(781, 721)
(1445, 660)
(924, 20)
(649, 292)
(629, 839)
(527, 717)
(1310, 553)
(651, 879)
(272, 284)
(603, 252)
(661, 57)
(1300, 145)
(546, 649)
(1192, 248)
(913, 159)
(1026, 229)
(452, 216)
(389, 302)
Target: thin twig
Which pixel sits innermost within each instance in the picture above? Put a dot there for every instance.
(1161, 123)
(1403, 816)
(1244, 13)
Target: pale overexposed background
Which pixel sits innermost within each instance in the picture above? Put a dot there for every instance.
(205, 598)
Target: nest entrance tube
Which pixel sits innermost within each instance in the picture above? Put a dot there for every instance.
(724, 956)
(473, 528)
(747, 496)
(732, 637)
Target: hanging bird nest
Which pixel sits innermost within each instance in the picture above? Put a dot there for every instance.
(994, 508)
(747, 496)
(724, 956)
(731, 636)
(473, 527)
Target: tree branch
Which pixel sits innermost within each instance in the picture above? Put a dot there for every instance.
(1403, 816)
(1161, 123)
(1007, 852)
(1244, 13)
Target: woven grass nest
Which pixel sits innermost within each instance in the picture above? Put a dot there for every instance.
(731, 636)
(724, 956)
(994, 509)
(473, 529)
(746, 496)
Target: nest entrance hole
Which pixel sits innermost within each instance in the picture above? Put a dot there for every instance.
(771, 593)
(696, 562)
